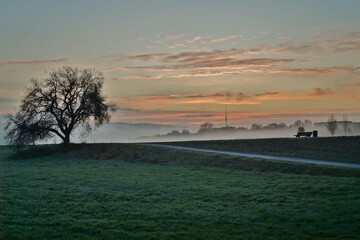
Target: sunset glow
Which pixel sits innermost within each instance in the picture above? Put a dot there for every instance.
(182, 62)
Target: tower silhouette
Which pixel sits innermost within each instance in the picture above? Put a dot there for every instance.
(226, 117)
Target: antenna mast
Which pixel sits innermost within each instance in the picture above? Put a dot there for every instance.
(226, 117)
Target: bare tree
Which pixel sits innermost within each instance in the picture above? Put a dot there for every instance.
(185, 132)
(308, 123)
(346, 124)
(67, 99)
(332, 124)
(298, 123)
(206, 126)
(256, 126)
(301, 129)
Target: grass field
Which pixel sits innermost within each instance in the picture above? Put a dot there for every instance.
(328, 148)
(127, 191)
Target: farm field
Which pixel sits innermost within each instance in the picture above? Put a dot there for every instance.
(130, 191)
(346, 149)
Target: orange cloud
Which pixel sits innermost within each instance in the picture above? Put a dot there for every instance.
(313, 71)
(224, 98)
(217, 39)
(229, 63)
(217, 117)
(35, 62)
(341, 43)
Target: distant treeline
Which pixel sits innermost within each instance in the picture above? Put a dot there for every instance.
(208, 127)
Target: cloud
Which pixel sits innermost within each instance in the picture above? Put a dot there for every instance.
(223, 62)
(147, 56)
(183, 40)
(177, 45)
(215, 59)
(226, 97)
(194, 39)
(346, 42)
(173, 37)
(131, 77)
(228, 71)
(320, 92)
(341, 43)
(263, 58)
(188, 56)
(216, 64)
(161, 38)
(35, 62)
(324, 70)
(208, 41)
(194, 73)
(309, 94)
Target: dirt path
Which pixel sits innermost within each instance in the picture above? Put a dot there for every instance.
(265, 156)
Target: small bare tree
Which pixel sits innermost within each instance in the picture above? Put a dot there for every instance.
(301, 129)
(205, 127)
(332, 124)
(256, 126)
(346, 124)
(308, 123)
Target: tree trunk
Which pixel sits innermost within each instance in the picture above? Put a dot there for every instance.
(67, 140)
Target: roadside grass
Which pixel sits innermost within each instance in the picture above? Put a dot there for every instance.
(127, 191)
(144, 153)
(346, 149)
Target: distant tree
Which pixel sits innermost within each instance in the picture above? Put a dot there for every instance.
(308, 123)
(67, 99)
(205, 126)
(297, 123)
(346, 124)
(272, 125)
(331, 124)
(185, 132)
(276, 125)
(256, 126)
(301, 129)
(173, 133)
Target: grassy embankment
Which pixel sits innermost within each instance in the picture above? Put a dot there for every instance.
(132, 191)
(330, 148)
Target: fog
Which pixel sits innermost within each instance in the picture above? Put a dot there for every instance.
(126, 132)
(144, 132)
(244, 134)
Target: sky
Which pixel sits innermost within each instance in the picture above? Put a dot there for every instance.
(184, 62)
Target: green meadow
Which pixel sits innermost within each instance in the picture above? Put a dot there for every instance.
(130, 191)
(345, 149)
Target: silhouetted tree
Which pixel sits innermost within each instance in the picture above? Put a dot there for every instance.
(298, 123)
(276, 125)
(67, 99)
(256, 126)
(185, 132)
(205, 126)
(331, 124)
(308, 123)
(346, 124)
(174, 133)
(301, 129)
(271, 125)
